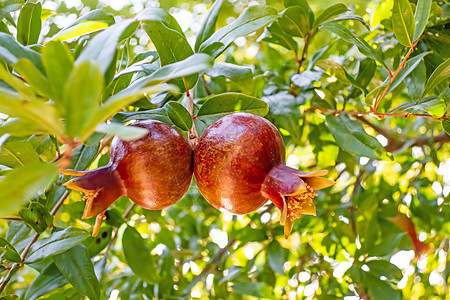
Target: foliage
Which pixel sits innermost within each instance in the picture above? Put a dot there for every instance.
(363, 93)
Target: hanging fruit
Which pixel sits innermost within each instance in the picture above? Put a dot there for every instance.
(239, 163)
(154, 172)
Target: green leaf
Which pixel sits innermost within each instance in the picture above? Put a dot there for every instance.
(241, 76)
(7, 7)
(81, 96)
(220, 105)
(415, 81)
(329, 13)
(179, 115)
(126, 133)
(253, 18)
(366, 71)
(194, 64)
(11, 51)
(352, 38)
(37, 216)
(95, 244)
(403, 22)
(351, 137)
(49, 279)
(423, 9)
(138, 256)
(58, 64)
(255, 289)
(295, 21)
(384, 268)
(56, 243)
(76, 266)
(23, 184)
(169, 40)
(410, 65)
(351, 17)
(446, 126)
(103, 47)
(16, 152)
(380, 290)
(18, 234)
(8, 251)
(275, 34)
(441, 73)
(209, 24)
(29, 23)
(302, 3)
(159, 114)
(19, 127)
(275, 257)
(94, 20)
(33, 77)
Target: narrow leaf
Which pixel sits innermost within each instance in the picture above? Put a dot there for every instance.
(138, 256)
(57, 243)
(253, 18)
(17, 152)
(275, 257)
(423, 9)
(403, 22)
(241, 76)
(442, 72)
(329, 13)
(11, 51)
(76, 266)
(410, 65)
(209, 24)
(351, 137)
(358, 41)
(23, 184)
(179, 115)
(275, 34)
(126, 133)
(446, 126)
(49, 278)
(217, 106)
(29, 23)
(33, 77)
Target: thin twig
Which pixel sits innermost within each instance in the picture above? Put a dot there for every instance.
(378, 115)
(205, 85)
(304, 52)
(374, 108)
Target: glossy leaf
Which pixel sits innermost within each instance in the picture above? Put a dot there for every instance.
(351, 137)
(209, 24)
(410, 65)
(17, 152)
(351, 17)
(11, 51)
(102, 48)
(81, 97)
(138, 256)
(217, 106)
(241, 76)
(29, 23)
(295, 21)
(423, 9)
(8, 251)
(76, 266)
(253, 18)
(56, 243)
(169, 40)
(446, 126)
(358, 41)
(275, 34)
(58, 64)
(94, 20)
(329, 13)
(49, 278)
(403, 22)
(126, 133)
(179, 115)
(23, 184)
(33, 76)
(441, 73)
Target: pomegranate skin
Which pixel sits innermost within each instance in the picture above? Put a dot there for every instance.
(239, 163)
(232, 159)
(154, 171)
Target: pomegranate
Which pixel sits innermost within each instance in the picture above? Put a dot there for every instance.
(154, 172)
(239, 163)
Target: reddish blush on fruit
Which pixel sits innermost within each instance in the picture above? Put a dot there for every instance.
(239, 163)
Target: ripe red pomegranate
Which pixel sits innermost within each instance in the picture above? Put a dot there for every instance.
(239, 163)
(154, 172)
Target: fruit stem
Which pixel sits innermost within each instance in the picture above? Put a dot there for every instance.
(193, 134)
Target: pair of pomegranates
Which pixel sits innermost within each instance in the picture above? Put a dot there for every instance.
(238, 164)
